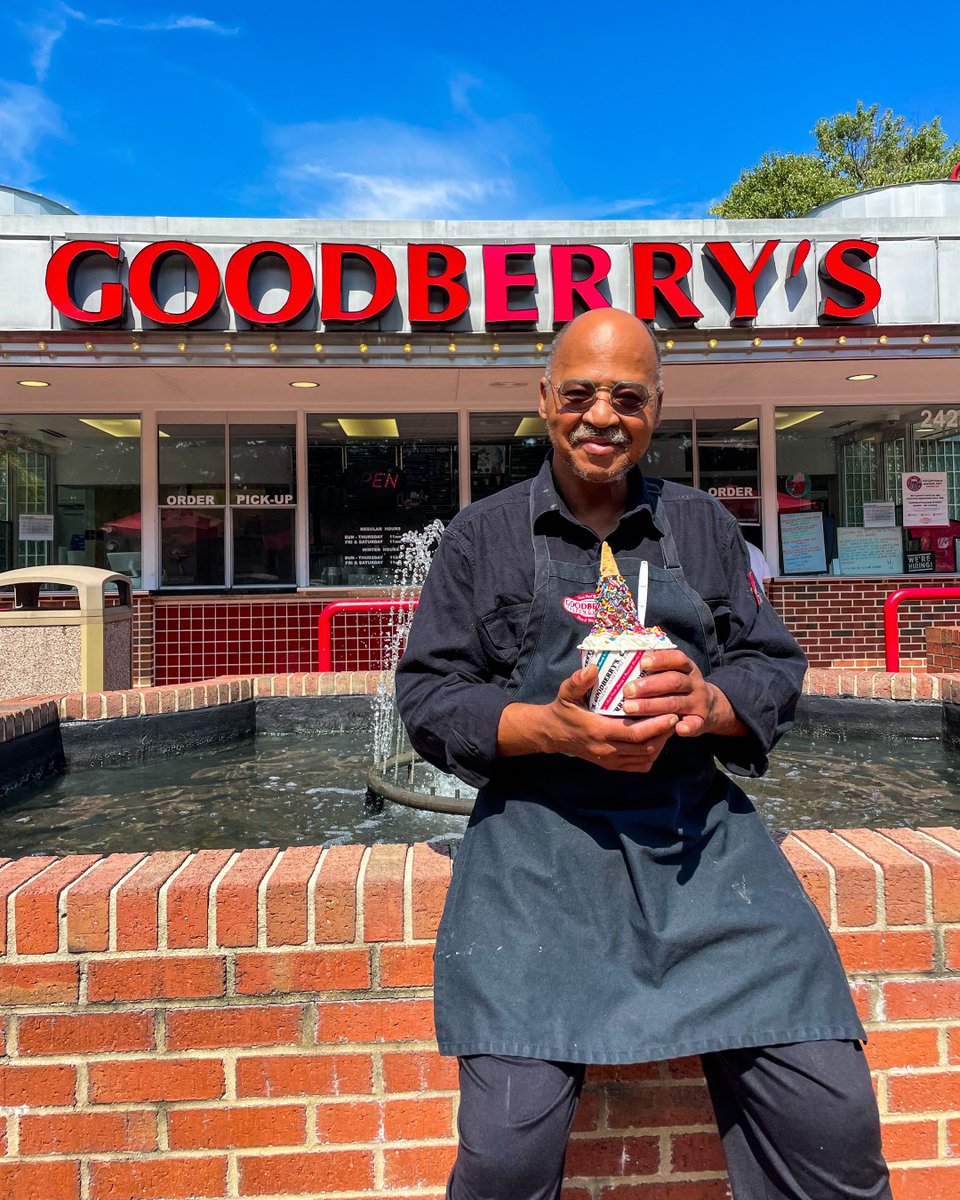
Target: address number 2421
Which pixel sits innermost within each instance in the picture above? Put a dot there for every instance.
(943, 418)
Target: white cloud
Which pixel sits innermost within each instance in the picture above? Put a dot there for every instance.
(382, 169)
(48, 28)
(43, 34)
(165, 25)
(28, 117)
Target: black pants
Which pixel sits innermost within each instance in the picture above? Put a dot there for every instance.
(798, 1122)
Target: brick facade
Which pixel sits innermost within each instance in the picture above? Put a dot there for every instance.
(837, 619)
(943, 648)
(259, 1023)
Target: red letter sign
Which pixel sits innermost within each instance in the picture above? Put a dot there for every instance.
(647, 285)
(857, 283)
(237, 280)
(565, 287)
(498, 284)
(420, 281)
(331, 265)
(143, 276)
(742, 279)
(61, 271)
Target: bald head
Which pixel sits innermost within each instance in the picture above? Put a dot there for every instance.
(611, 330)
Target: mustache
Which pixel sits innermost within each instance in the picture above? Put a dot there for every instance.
(585, 432)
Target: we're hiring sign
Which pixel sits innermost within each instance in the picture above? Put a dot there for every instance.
(394, 285)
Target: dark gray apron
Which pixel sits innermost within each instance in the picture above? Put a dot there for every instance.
(606, 916)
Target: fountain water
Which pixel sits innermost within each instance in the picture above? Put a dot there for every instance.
(397, 772)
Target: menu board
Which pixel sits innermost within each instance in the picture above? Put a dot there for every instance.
(801, 543)
(870, 551)
(924, 498)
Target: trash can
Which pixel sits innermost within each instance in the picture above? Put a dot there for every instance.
(84, 648)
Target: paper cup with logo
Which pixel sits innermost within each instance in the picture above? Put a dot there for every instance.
(617, 659)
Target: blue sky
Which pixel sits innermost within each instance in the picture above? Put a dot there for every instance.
(382, 110)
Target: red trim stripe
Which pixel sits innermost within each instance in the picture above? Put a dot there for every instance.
(622, 680)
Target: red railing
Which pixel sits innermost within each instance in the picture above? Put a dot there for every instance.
(325, 623)
(891, 617)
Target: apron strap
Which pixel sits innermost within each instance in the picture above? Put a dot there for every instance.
(668, 545)
(541, 550)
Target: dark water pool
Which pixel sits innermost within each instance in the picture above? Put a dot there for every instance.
(279, 791)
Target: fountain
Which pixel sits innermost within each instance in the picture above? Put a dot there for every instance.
(399, 774)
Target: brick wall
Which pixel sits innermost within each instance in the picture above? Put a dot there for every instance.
(943, 648)
(840, 619)
(224, 1024)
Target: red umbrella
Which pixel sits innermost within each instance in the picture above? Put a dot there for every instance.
(788, 503)
(177, 519)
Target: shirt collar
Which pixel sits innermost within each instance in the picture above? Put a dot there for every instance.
(642, 497)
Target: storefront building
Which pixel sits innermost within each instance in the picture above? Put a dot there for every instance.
(245, 416)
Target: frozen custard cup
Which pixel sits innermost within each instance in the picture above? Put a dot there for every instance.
(617, 659)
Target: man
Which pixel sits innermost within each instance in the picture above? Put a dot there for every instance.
(616, 898)
(759, 567)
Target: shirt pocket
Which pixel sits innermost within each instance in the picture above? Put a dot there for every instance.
(501, 632)
(721, 609)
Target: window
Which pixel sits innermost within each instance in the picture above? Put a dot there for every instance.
(206, 508)
(371, 478)
(70, 492)
(192, 479)
(263, 490)
(505, 448)
(841, 479)
(670, 454)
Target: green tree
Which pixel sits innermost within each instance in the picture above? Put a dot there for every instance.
(857, 150)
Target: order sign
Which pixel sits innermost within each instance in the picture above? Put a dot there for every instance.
(924, 498)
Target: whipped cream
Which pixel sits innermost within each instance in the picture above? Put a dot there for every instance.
(652, 638)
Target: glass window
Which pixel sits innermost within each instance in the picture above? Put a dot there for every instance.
(670, 455)
(263, 464)
(842, 474)
(191, 547)
(729, 458)
(263, 546)
(70, 491)
(191, 464)
(371, 478)
(505, 448)
(263, 490)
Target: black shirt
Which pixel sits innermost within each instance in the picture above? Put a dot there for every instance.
(474, 605)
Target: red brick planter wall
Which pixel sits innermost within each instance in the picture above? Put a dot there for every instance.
(224, 1024)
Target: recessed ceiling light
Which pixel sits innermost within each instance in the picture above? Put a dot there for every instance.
(509, 383)
(531, 427)
(118, 427)
(33, 383)
(304, 383)
(786, 420)
(859, 378)
(371, 427)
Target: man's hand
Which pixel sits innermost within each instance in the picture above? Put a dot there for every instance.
(674, 684)
(566, 726)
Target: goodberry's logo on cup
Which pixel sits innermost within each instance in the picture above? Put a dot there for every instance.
(583, 607)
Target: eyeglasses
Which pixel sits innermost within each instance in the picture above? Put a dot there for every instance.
(579, 396)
